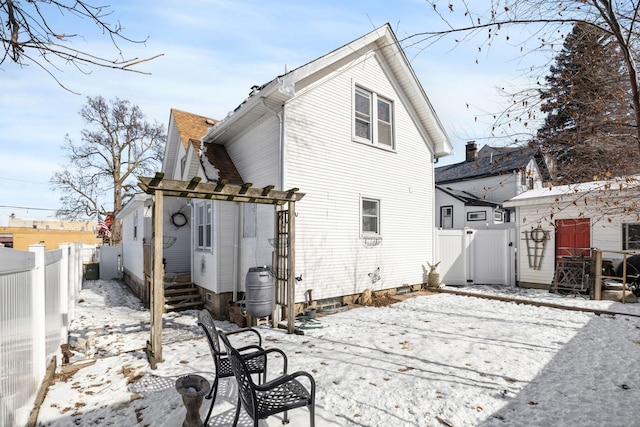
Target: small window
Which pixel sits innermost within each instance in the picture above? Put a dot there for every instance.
(630, 237)
(204, 220)
(477, 216)
(373, 118)
(135, 225)
(370, 217)
(498, 216)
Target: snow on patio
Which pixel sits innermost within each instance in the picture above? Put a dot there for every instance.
(430, 360)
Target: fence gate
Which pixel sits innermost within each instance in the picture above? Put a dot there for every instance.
(479, 257)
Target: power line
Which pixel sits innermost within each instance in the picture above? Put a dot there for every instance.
(27, 207)
(24, 180)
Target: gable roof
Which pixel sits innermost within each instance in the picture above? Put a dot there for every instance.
(191, 127)
(465, 197)
(490, 162)
(269, 98)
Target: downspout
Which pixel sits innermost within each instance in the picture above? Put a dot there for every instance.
(281, 155)
(434, 245)
(236, 251)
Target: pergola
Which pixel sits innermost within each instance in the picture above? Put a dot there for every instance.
(284, 258)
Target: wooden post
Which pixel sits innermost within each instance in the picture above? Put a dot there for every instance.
(597, 292)
(291, 285)
(624, 276)
(154, 346)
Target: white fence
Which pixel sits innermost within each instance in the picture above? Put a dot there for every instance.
(470, 256)
(37, 294)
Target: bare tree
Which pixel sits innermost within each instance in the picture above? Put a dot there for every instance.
(545, 24)
(117, 144)
(30, 35)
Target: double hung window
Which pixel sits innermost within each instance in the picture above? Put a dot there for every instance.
(373, 118)
(630, 237)
(370, 217)
(204, 220)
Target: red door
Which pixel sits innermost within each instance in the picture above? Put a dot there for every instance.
(573, 238)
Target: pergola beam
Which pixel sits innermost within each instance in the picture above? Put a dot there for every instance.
(222, 190)
(219, 191)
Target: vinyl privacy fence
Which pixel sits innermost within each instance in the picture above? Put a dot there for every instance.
(37, 294)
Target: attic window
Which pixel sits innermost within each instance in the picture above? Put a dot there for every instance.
(373, 118)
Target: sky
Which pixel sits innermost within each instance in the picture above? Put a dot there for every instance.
(431, 360)
(213, 52)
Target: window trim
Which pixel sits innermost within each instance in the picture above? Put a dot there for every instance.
(366, 233)
(374, 119)
(203, 239)
(135, 225)
(481, 216)
(625, 236)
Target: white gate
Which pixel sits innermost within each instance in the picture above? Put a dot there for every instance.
(477, 257)
(110, 258)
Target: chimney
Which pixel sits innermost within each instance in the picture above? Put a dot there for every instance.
(471, 151)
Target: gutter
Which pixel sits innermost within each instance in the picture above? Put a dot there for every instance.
(247, 105)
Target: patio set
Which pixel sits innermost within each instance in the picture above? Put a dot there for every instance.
(259, 399)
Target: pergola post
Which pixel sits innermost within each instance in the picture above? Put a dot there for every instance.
(291, 262)
(221, 190)
(154, 346)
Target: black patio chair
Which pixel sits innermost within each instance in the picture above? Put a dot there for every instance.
(254, 355)
(278, 395)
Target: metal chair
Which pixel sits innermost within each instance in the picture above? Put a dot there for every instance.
(278, 395)
(255, 355)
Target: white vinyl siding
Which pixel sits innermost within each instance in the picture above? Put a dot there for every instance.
(255, 154)
(606, 234)
(335, 175)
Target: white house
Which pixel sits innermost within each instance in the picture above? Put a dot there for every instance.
(356, 133)
(183, 143)
(470, 193)
(567, 221)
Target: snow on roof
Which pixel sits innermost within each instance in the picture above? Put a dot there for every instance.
(541, 194)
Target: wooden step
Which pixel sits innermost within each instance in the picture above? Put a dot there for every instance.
(180, 293)
(184, 305)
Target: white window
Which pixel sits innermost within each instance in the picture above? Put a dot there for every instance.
(630, 237)
(370, 217)
(476, 216)
(204, 219)
(498, 216)
(373, 118)
(135, 225)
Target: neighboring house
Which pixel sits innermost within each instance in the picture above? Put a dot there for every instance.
(569, 220)
(21, 233)
(354, 131)
(470, 193)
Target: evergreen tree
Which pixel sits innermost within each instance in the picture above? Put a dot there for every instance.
(590, 125)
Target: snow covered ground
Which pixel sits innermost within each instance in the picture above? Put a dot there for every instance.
(430, 360)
